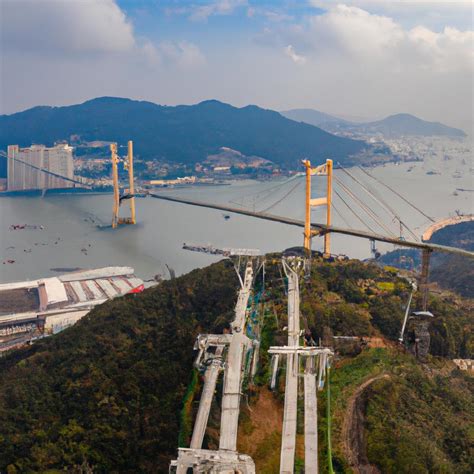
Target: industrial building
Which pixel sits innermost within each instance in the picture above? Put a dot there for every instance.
(25, 165)
(37, 308)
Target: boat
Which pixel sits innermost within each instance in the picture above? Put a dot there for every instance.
(38, 308)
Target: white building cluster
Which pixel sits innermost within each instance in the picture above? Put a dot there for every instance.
(25, 164)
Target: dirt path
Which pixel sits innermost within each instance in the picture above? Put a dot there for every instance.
(353, 436)
(260, 436)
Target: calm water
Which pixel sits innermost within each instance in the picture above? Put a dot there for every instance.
(72, 238)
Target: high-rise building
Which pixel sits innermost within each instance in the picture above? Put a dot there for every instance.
(24, 166)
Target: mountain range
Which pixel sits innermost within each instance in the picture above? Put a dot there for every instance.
(184, 133)
(393, 126)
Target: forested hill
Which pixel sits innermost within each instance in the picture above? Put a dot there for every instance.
(451, 272)
(108, 393)
(185, 133)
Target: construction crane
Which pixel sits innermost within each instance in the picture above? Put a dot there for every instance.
(130, 193)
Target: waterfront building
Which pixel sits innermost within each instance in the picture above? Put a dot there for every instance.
(24, 166)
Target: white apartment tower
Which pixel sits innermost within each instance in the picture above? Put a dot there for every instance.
(57, 159)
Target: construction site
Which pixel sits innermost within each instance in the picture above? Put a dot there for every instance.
(233, 356)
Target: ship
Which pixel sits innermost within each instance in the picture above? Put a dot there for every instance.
(37, 308)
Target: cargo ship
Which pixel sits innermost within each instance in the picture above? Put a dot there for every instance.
(34, 309)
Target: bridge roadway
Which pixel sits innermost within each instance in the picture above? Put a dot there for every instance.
(210, 380)
(288, 437)
(319, 228)
(233, 371)
(310, 418)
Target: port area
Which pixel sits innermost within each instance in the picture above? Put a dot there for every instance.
(38, 308)
(16, 300)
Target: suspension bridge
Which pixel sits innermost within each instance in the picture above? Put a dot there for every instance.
(235, 355)
(338, 195)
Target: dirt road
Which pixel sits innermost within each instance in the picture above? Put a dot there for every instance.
(353, 434)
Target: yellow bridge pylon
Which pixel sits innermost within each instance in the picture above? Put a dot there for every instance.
(322, 170)
(128, 164)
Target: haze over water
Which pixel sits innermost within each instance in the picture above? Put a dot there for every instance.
(71, 237)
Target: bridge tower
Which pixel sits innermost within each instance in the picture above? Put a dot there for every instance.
(321, 170)
(128, 164)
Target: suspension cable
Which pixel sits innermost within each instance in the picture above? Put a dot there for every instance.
(266, 193)
(281, 199)
(353, 212)
(369, 211)
(381, 201)
(339, 213)
(398, 194)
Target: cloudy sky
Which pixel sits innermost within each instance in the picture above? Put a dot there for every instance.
(356, 58)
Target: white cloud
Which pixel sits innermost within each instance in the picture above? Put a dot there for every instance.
(182, 53)
(291, 53)
(271, 15)
(434, 14)
(354, 30)
(65, 26)
(367, 64)
(351, 60)
(376, 40)
(203, 12)
(390, 3)
(83, 28)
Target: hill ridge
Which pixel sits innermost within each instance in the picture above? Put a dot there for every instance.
(182, 133)
(394, 125)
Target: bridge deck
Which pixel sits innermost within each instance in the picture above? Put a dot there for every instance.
(318, 227)
(233, 371)
(210, 381)
(310, 423)
(288, 441)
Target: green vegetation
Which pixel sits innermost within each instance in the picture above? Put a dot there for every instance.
(109, 390)
(116, 392)
(416, 420)
(186, 421)
(421, 423)
(451, 272)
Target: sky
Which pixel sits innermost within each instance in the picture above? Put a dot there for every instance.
(356, 58)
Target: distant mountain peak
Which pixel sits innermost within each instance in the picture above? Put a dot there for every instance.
(108, 100)
(396, 125)
(213, 103)
(408, 124)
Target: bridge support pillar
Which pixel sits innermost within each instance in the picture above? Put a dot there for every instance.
(116, 220)
(425, 270)
(115, 181)
(326, 170)
(307, 220)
